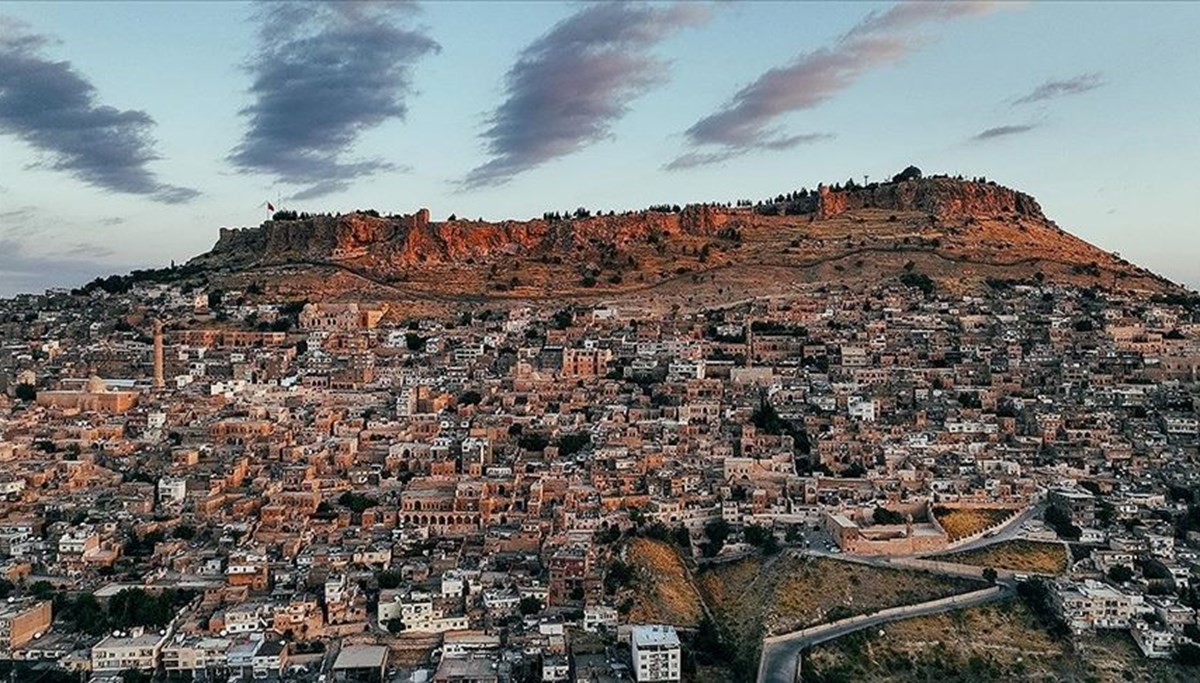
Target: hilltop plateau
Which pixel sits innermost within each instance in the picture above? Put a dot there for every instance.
(928, 232)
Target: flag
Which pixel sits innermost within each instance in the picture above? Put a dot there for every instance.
(270, 206)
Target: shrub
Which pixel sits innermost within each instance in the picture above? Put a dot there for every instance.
(357, 502)
(388, 579)
(883, 515)
(1120, 574)
(530, 605)
(917, 280)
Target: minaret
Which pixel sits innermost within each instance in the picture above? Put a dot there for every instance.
(158, 354)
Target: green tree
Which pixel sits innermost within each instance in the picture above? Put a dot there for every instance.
(25, 392)
(1187, 654)
(357, 502)
(570, 444)
(619, 575)
(756, 534)
(135, 676)
(637, 516)
(1120, 573)
(883, 515)
(609, 533)
(388, 579)
(717, 531)
(681, 537)
(530, 605)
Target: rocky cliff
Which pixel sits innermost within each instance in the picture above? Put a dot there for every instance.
(962, 234)
(401, 241)
(940, 196)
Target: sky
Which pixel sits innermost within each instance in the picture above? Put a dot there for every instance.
(131, 132)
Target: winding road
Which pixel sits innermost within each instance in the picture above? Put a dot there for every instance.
(780, 654)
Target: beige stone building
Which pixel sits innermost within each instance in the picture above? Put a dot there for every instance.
(95, 396)
(21, 622)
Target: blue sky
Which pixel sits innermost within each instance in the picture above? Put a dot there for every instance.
(130, 132)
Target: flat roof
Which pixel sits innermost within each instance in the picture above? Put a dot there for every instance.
(144, 640)
(655, 634)
(361, 657)
(471, 667)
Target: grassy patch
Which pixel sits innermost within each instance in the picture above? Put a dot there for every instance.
(960, 523)
(663, 594)
(1019, 556)
(756, 596)
(985, 644)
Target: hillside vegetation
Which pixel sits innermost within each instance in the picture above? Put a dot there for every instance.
(993, 643)
(930, 233)
(664, 594)
(963, 522)
(1018, 555)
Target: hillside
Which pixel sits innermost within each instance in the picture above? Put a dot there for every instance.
(986, 644)
(756, 596)
(960, 233)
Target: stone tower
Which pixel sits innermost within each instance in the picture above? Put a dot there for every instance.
(158, 354)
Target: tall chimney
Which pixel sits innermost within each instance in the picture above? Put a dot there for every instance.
(158, 354)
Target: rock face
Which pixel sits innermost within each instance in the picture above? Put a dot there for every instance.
(704, 255)
(404, 241)
(942, 197)
(411, 240)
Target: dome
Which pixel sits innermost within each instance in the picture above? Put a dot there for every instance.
(95, 385)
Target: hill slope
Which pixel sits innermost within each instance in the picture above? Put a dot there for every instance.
(959, 233)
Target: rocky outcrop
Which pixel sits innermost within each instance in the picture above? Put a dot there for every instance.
(401, 241)
(940, 196)
(695, 257)
(397, 242)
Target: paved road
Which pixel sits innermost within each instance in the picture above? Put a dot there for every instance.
(778, 664)
(779, 658)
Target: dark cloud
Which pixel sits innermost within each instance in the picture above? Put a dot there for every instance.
(746, 122)
(1053, 89)
(54, 109)
(570, 86)
(1004, 131)
(326, 72)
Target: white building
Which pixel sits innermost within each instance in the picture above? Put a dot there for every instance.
(416, 611)
(1155, 643)
(655, 653)
(122, 651)
(172, 490)
(861, 409)
(599, 617)
(1093, 605)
